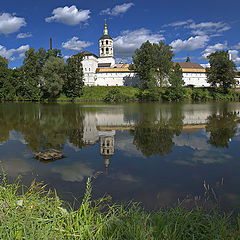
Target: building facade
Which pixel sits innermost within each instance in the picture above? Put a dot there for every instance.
(102, 70)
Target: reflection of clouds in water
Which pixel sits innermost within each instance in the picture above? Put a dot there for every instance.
(15, 166)
(125, 177)
(74, 173)
(17, 136)
(72, 146)
(194, 142)
(207, 157)
(125, 144)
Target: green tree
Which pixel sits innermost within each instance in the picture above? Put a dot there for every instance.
(73, 83)
(51, 79)
(176, 77)
(222, 71)
(153, 63)
(3, 62)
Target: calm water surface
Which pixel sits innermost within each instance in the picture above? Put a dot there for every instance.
(155, 153)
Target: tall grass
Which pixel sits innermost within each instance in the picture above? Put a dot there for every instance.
(33, 213)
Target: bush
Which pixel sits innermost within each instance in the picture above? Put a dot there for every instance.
(199, 94)
(174, 94)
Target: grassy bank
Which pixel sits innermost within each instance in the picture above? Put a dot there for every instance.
(99, 93)
(32, 213)
(133, 94)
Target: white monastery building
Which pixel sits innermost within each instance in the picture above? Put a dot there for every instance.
(103, 71)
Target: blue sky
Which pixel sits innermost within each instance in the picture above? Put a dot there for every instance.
(193, 28)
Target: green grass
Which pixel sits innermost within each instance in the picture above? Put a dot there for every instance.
(34, 213)
(98, 93)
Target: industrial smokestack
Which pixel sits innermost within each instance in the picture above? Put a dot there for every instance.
(51, 46)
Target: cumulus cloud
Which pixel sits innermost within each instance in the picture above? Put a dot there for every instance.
(235, 56)
(69, 15)
(10, 23)
(128, 41)
(24, 35)
(12, 54)
(190, 44)
(117, 10)
(204, 28)
(76, 44)
(214, 48)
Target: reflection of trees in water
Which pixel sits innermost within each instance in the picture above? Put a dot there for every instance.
(222, 128)
(153, 136)
(43, 125)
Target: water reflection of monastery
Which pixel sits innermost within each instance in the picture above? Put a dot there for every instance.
(101, 125)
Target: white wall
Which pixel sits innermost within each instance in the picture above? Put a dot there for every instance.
(116, 79)
(90, 64)
(107, 60)
(196, 79)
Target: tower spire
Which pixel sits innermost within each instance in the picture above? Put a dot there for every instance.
(105, 30)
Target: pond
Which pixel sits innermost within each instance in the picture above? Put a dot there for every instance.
(160, 154)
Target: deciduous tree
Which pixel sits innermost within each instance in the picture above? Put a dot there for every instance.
(222, 70)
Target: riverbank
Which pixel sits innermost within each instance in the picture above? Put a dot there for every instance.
(134, 94)
(39, 214)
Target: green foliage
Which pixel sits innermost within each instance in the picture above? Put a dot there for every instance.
(115, 95)
(222, 71)
(153, 63)
(176, 77)
(51, 79)
(34, 213)
(175, 94)
(73, 82)
(199, 94)
(3, 62)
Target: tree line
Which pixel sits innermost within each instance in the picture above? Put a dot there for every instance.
(156, 70)
(43, 75)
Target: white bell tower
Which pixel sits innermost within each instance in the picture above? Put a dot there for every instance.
(105, 44)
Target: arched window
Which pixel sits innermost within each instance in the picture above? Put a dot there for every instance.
(106, 41)
(102, 50)
(107, 50)
(102, 42)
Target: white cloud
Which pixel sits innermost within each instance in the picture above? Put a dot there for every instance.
(203, 28)
(69, 15)
(128, 41)
(214, 48)
(12, 54)
(76, 44)
(10, 23)
(178, 23)
(205, 65)
(235, 56)
(24, 35)
(117, 10)
(237, 46)
(190, 44)
(212, 29)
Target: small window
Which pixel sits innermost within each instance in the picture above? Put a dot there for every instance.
(89, 69)
(102, 42)
(102, 50)
(106, 41)
(85, 69)
(107, 50)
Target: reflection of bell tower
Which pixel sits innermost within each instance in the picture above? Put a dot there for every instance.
(107, 146)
